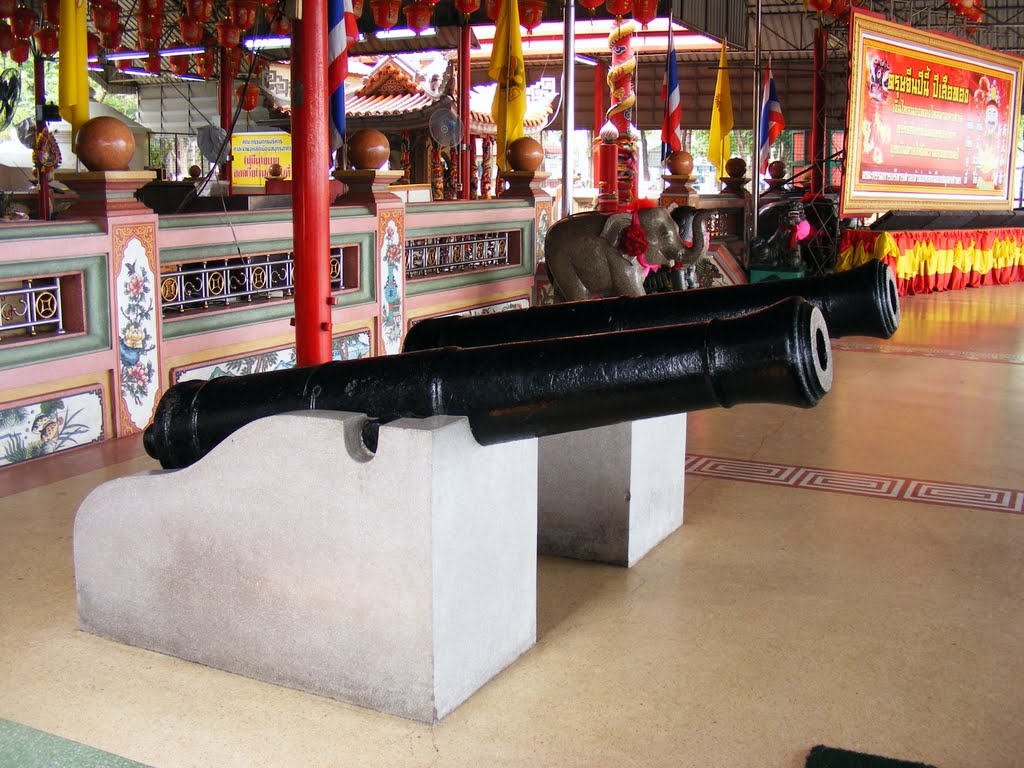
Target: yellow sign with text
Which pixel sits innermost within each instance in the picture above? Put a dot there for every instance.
(255, 155)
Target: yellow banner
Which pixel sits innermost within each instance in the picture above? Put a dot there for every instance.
(253, 156)
(73, 77)
(509, 71)
(721, 118)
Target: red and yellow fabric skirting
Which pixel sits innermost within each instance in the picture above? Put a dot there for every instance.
(939, 260)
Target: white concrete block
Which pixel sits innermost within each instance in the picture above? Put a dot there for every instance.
(401, 582)
(611, 494)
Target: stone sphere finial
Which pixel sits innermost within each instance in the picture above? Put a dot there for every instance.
(679, 163)
(368, 149)
(525, 154)
(736, 167)
(105, 144)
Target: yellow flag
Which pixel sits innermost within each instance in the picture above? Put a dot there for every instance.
(73, 75)
(721, 118)
(509, 71)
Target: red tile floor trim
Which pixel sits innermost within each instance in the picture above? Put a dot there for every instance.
(859, 484)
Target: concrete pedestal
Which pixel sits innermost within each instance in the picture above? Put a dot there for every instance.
(611, 494)
(401, 581)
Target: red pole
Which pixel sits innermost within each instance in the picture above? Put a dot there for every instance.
(465, 179)
(600, 75)
(43, 198)
(225, 106)
(818, 111)
(311, 204)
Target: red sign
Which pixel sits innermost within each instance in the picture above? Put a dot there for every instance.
(931, 124)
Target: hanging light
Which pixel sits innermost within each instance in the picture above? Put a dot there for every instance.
(150, 27)
(46, 40)
(645, 11)
(106, 17)
(20, 51)
(191, 30)
(229, 35)
(531, 13)
(417, 15)
(178, 64)
(248, 97)
(243, 13)
(467, 8)
(385, 13)
(152, 64)
(619, 8)
(24, 22)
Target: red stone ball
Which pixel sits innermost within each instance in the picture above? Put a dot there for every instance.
(368, 149)
(525, 154)
(105, 144)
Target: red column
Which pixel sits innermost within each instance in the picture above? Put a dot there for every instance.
(43, 199)
(225, 107)
(311, 204)
(600, 74)
(465, 173)
(818, 110)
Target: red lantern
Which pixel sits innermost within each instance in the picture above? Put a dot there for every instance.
(154, 7)
(206, 63)
(6, 8)
(152, 63)
(820, 5)
(46, 40)
(531, 13)
(466, 7)
(493, 9)
(229, 35)
(243, 13)
(417, 15)
(281, 25)
(92, 46)
(150, 27)
(24, 22)
(51, 12)
(178, 64)
(357, 8)
(974, 14)
(619, 8)
(124, 64)
(112, 40)
(191, 30)
(645, 11)
(234, 62)
(385, 13)
(248, 97)
(200, 10)
(6, 37)
(839, 7)
(106, 17)
(591, 5)
(20, 51)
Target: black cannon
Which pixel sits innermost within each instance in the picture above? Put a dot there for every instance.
(779, 355)
(861, 302)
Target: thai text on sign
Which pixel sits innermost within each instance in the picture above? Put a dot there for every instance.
(253, 155)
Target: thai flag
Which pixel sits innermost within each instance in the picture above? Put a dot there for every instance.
(772, 121)
(671, 132)
(342, 33)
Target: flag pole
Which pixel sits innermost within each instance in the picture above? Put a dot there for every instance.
(755, 194)
(568, 107)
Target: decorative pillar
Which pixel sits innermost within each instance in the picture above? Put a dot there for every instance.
(224, 105)
(818, 110)
(465, 160)
(600, 73)
(620, 111)
(311, 159)
(43, 203)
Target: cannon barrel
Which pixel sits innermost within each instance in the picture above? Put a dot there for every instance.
(861, 302)
(779, 355)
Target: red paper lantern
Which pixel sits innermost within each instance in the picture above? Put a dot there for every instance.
(51, 12)
(112, 40)
(229, 35)
(124, 64)
(46, 40)
(591, 5)
(839, 7)
(493, 9)
(24, 22)
(531, 13)
(106, 17)
(357, 8)
(6, 37)
(92, 45)
(466, 8)
(820, 5)
(385, 13)
(20, 51)
(178, 64)
(281, 25)
(155, 7)
(7, 8)
(248, 97)
(619, 8)
(243, 13)
(417, 15)
(149, 27)
(152, 63)
(234, 62)
(206, 63)
(645, 11)
(200, 10)
(191, 30)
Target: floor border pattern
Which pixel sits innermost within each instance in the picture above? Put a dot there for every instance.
(1009, 500)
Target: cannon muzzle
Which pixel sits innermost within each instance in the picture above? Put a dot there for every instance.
(861, 302)
(779, 355)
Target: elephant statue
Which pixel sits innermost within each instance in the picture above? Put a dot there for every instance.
(590, 255)
(783, 247)
(693, 229)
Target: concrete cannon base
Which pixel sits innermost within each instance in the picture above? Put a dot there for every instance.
(611, 494)
(401, 581)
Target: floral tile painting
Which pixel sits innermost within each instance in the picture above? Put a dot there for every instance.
(31, 430)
